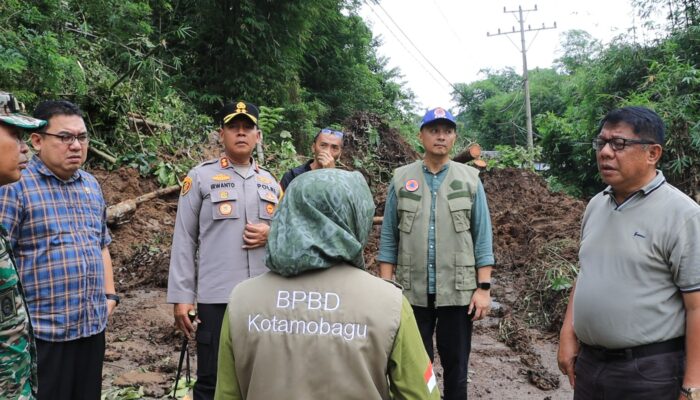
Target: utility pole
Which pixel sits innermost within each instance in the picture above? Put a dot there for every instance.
(523, 49)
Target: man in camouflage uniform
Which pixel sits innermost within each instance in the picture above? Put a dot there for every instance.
(17, 347)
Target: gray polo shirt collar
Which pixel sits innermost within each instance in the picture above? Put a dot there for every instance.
(654, 184)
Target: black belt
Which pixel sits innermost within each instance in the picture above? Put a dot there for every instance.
(632, 353)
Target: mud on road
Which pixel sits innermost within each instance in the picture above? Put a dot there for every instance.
(143, 346)
(513, 357)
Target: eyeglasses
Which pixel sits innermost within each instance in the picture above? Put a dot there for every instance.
(67, 138)
(331, 132)
(616, 143)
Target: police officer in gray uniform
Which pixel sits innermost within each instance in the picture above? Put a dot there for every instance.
(221, 228)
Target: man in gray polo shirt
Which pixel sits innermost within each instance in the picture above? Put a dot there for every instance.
(633, 318)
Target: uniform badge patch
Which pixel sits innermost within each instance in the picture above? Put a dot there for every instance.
(439, 113)
(225, 209)
(223, 195)
(270, 197)
(224, 162)
(263, 179)
(7, 304)
(411, 185)
(221, 177)
(270, 209)
(186, 186)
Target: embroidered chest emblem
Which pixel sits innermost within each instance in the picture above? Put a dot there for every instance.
(225, 209)
(411, 185)
(221, 177)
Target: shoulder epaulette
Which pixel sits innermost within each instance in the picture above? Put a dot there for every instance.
(207, 162)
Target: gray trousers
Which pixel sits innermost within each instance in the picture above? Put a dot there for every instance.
(657, 377)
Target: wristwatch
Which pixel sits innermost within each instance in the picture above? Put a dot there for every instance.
(691, 393)
(484, 285)
(112, 296)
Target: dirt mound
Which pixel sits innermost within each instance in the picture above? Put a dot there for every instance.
(375, 149)
(535, 242)
(526, 215)
(140, 247)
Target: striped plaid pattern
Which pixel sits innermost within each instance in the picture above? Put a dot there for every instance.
(57, 230)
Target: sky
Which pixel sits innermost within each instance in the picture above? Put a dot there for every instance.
(451, 34)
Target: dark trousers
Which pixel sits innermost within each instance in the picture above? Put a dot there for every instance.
(453, 334)
(71, 370)
(657, 377)
(208, 332)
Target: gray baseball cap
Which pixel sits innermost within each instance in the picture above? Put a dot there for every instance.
(11, 113)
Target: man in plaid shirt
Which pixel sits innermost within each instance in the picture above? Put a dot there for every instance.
(56, 218)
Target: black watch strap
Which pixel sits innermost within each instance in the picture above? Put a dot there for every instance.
(112, 296)
(484, 285)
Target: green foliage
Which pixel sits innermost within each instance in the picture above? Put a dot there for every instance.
(579, 49)
(175, 62)
(126, 393)
(181, 388)
(281, 156)
(556, 186)
(515, 157)
(493, 110)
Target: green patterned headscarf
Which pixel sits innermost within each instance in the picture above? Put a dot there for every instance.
(324, 219)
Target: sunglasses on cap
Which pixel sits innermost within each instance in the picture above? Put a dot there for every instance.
(327, 131)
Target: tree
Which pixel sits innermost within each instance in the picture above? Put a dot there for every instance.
(578, 49)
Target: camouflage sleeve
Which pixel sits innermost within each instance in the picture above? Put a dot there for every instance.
(411, 373)
(10, 211)
(181, 275)
(17, 351)
(226, 380)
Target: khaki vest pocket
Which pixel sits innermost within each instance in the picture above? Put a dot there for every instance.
(403, 271)
(460, 208)
(465, 273)
(407, 208)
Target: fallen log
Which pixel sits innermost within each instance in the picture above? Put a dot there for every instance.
(472, 152)
(103, 154)
(138, 122)
(120, 212)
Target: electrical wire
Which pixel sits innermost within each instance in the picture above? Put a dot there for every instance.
(381, 20)
(414, 45)
(449, 26)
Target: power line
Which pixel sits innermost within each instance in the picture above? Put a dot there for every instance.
(526, 80)
(403, 45)
(449, 26)
(414, 46)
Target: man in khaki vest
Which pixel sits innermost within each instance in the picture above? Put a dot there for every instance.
(436, 240)
(311, 328)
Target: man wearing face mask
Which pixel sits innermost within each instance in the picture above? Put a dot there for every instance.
(223, 217)
(326, 150)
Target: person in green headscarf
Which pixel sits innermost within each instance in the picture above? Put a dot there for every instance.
(318, 325)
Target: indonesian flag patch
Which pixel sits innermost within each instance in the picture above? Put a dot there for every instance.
(429, 377)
